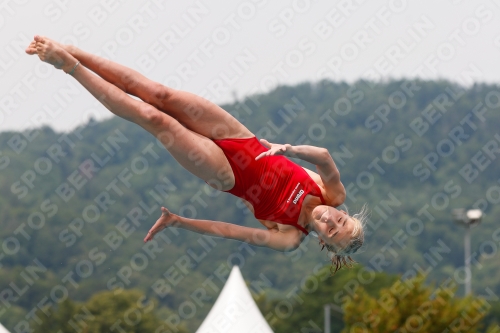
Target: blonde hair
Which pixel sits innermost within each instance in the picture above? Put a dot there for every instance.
(341, 257)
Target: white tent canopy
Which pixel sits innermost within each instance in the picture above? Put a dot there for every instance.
(3, 329)
(234, 310)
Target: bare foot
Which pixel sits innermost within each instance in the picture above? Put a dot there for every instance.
(31, 49)
(52, 53)
(166, 219)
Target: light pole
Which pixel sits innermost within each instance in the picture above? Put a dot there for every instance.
(467, 219)
(328, 307)
(327, 318)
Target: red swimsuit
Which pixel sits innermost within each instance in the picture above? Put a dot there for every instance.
(274, 185)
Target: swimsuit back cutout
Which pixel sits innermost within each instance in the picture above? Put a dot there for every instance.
(274, 185)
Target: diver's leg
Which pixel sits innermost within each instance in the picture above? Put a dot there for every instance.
(195, 112)
(195, 152)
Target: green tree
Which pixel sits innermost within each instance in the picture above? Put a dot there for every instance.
(412, 306)
(60, 319)
(303, 308)
(492, 319)
(128, 311)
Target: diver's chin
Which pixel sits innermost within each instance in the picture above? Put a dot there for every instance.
(316, 210)
(323, 215)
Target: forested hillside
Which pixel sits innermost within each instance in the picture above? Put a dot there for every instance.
(76, 206)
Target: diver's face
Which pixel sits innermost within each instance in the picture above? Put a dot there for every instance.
(334, 227)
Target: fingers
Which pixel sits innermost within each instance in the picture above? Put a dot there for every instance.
(148, 237)
(261, 155)
(272, 152)
(151, 233)
(266, 153)
(266, 143)
(159, 225)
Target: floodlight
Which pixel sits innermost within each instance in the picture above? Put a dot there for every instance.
(474, 216)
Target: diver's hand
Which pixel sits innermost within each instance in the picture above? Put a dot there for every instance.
(166, 220)
(275, 149)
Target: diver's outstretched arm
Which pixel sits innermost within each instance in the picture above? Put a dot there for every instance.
(274, 239)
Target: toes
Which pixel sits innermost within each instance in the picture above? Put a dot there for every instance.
(39, 39)
(31, 49)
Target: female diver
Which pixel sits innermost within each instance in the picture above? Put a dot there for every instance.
(290, 201)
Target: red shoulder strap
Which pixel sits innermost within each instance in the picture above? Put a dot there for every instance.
(301, 228)
(315, 190)
(319, 194)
